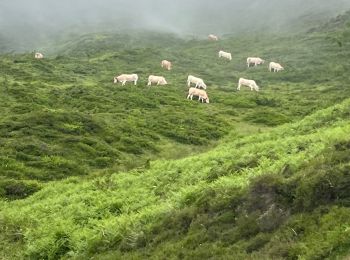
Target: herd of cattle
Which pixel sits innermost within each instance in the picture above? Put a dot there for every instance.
(199, 86)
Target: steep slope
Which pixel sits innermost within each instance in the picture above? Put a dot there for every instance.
(248, 195)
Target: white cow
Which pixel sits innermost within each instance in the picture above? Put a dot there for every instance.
(226, 55)
(249, 83)
(156, 80)
(123, 78)
(166, 64)
(197, 81)
(254, 60)
(275, 67)
(213, 37)
(38, 56)
(200, 93)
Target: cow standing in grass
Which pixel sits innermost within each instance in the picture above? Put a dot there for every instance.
(275, 67)
(213, 37)
(249, 83)
(200, 93)
(166, 64)
(199, 83)
(156, 80)
(254, 60)
(225, 55)
(38, 56)
(123, 78)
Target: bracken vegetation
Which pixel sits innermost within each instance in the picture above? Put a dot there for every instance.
(89, 169)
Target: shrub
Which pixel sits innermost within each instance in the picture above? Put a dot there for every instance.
(13, 189)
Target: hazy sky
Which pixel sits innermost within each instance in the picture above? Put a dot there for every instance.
(27, 19)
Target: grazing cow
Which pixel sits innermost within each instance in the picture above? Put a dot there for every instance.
(156, 80)
(38, 56)
(200, 93)
(123, 78)
(275, 67)
(197, 81)
(166, 64)
(255, 61)
(249, 83)
(226, 55)
(213, 37)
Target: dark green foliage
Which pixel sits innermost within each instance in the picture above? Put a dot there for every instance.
(267, 118)
(327, 179)
(13, 189)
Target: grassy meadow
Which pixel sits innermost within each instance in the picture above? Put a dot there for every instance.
(95, 170)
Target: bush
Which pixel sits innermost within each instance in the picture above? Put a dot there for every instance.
(13, 189)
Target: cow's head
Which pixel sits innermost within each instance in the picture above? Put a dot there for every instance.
(115, 80)
(207, 100)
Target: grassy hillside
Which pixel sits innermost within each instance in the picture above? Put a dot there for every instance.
(250, 175)
(278, 194)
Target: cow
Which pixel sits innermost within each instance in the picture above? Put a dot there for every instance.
(213, 37)
(123, 78)
(275, 67)
(226, 55)
(199, 83)
(255, 61)
(249, 83)
(200, 93)
(157, 80)
(38, 55)
(166, 64)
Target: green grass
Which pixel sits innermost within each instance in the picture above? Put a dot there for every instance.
(93, 169)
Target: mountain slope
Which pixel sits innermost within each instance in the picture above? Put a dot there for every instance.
(176, 203)
(275, 185)
(70, 99)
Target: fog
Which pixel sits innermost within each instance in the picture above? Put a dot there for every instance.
(28, 22)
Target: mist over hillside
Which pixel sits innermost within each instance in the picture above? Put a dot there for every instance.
(27, 25)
